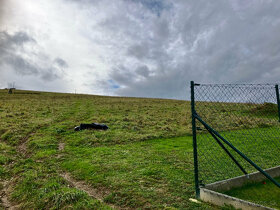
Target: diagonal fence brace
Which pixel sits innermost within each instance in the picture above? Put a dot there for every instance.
(236, 150)
(226, 150)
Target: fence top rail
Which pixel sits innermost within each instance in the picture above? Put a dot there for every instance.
(269, 85)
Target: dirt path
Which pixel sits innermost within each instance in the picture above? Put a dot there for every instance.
(61, 146)
(81, 185)
(22, 148)
(4, 197)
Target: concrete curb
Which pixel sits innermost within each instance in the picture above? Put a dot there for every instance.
(239, 181)
(209, 194)
(220, 199)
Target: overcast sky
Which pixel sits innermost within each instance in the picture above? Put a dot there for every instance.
(146, 48)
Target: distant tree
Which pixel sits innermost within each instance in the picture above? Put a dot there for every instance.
(11, 87)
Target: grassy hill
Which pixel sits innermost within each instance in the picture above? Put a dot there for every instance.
(143, 161)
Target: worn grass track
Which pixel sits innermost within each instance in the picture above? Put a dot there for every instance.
(143, 161)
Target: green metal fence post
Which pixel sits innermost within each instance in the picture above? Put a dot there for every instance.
(197, 191)
(278, 100)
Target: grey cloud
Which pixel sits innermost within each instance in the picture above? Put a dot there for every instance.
(3, 4)
(139, 51)
(9, 43)
(152, 51)
(207, 42)
(81, 1)
(162, 31)
(143, 71)
(163, 86)
(21, 66)
(49, 74)
(122, 75)
(156, 6)
(13, 54)
(19, 38)
(61, 63)
(127, 78)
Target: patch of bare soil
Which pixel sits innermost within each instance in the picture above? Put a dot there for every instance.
(81, 185)
(4, 197)
(61, 146)
(22, 148)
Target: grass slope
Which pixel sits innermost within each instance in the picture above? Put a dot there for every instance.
(137, 163)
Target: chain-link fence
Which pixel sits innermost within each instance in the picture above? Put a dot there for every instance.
(247, 116)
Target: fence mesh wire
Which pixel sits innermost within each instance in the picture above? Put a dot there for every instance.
(246, 116)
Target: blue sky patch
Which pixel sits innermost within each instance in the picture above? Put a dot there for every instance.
(113, 84)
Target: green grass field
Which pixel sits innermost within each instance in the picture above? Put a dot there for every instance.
(263, 193)
(143, 161)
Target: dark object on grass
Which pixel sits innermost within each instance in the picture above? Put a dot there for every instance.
(84, 126)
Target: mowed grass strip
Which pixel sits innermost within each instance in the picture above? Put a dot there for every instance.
(151, 174)
(263, 193)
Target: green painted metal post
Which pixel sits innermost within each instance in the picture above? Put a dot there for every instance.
(197, 191)
(278, 100)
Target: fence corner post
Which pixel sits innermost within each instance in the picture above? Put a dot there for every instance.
(197, 191)
(278, 100)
